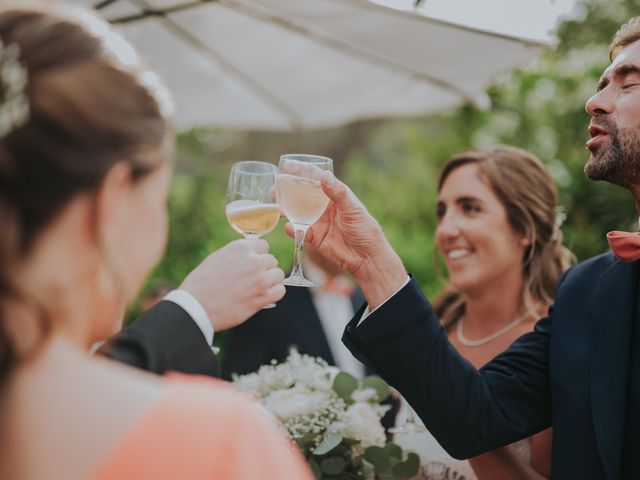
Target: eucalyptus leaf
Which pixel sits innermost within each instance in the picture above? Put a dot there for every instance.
(368, 470)
(379, 385)
(393, 450)
(315, 468)
(328, 444)
(378, 457)
(305, 440)
(409, 467)
(344, 385)
(333, 465)
(350, 441)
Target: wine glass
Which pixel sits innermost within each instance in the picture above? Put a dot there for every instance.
(410, 424)
(302, 200)
(251, 206)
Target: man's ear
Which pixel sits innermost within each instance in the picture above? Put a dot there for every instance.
(112, 198)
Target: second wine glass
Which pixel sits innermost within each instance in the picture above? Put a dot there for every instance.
(251, 205)
(302, 200)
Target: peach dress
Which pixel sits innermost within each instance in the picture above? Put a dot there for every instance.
(203, 429)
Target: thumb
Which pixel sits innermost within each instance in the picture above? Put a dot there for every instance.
(337, 191)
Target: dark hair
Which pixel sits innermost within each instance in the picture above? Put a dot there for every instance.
(626, 35)
(87, 112)
(526, 190)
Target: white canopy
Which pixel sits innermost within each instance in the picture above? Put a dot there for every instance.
(293, 64)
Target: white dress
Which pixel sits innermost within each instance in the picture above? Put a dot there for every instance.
(437, 464)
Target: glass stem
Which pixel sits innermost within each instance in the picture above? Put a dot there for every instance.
(300, 232)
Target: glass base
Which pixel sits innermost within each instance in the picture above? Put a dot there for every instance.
(298, 281)
(407, 428)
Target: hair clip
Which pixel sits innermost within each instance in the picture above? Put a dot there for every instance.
(561, 216)
(14, 106)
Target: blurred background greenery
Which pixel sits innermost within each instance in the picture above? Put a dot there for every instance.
(392, 165)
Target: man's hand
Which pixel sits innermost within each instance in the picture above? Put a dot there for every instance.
(235, 282)
(347, 234)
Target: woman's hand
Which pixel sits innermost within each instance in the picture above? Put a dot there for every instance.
(347, 234)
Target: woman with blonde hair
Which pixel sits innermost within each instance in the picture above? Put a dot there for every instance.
(85, 166)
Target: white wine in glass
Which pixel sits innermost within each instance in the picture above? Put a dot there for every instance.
(251, 208)
(252, 219)
(302, 200)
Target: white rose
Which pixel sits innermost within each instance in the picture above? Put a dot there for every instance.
(294, 402)
(363, 423)
(323, 379)
(250, 383)
(338, 426)
(364, 395)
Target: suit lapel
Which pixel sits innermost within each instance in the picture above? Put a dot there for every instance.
(612, 311)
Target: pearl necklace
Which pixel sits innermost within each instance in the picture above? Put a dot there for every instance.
(481, 341)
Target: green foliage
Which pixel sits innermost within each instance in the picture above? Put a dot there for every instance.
(377, 384)
(328, 444)
(332, 459)
(391, 462)
(344, 385)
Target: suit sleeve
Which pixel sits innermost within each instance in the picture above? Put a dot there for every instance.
(469, 411)
(164, 338)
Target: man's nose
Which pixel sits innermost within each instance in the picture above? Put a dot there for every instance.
(601, 103)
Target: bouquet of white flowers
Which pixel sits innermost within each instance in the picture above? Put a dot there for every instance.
(334, 418)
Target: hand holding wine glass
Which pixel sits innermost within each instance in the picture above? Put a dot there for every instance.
(349, 236)
(251, 207)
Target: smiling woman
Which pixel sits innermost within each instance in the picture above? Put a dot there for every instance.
(503, 250)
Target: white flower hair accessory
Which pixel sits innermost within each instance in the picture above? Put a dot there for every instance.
(14, 106)
(561, 216)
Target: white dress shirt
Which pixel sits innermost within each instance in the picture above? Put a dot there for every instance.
(196, 311)
(334, 310)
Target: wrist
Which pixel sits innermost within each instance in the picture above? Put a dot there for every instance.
(194, 308)
(380, 276)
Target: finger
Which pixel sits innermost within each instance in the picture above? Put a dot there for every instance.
(289, 230)
(337, 191)
(274, 276)
(309, 236)
(269, 261)
(275, 293)
(258, 246)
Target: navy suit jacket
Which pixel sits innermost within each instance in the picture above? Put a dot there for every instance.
(163, 339)
(571, 372)
(270, 334)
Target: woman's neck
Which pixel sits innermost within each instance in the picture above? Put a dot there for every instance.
(494, 306)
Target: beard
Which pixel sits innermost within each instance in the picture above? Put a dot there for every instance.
(618, 162)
